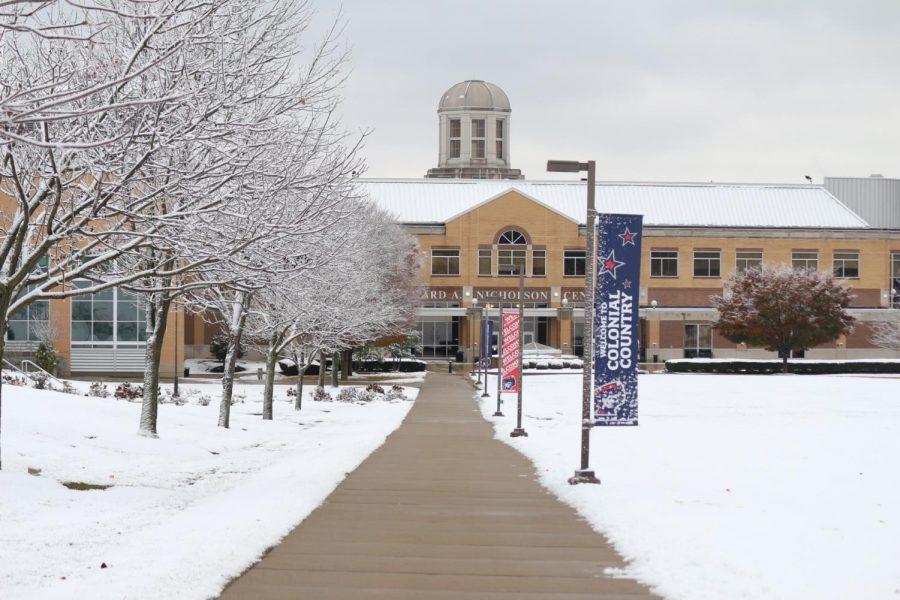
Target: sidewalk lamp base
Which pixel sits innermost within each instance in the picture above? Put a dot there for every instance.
(518, 432)
(498, 414)
(485, 394)
(583, 476)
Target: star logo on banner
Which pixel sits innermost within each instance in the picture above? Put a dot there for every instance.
(610, 264)
(628, 237)
(626, 284)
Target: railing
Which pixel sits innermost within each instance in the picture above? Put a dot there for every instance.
(29, 368)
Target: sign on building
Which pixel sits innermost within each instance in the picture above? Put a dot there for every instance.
(616, 303)
(510, 372)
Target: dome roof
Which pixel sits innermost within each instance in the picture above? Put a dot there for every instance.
(474, 94)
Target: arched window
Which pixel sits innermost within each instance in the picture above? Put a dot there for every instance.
(512, 236)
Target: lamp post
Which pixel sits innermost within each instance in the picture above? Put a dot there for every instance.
(475, 363)
(498, 412)
(175, 385)
(488, 346)
(584, 474)
(520, 270)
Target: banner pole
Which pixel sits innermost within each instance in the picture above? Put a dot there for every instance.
(498, 412)
(584, 474)
(519, 431)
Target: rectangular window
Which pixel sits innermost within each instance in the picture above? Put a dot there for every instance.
(106, 318)
(445, 262)
(484, 262)
(697, 340)
(31, 324)
(663, 263)
(846, 265)
(477, 128)
(573, 263)
(499, 129)
(510, 257)
(746, 259)
(538, 263)
(478, 131)
(499, 149)
(707, 263)
(455, 134)
(440, 338)
(805, 261)
(499, 138)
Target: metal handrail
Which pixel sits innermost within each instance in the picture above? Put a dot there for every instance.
(24, 370)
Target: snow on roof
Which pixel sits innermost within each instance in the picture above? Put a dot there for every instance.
(662, 204)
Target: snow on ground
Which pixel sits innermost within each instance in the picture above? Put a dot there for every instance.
(734, 487)
(187, 511)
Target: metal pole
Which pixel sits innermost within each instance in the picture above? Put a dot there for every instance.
(585, 474)
(518, 431)
(487, 346)
(175, 386)
(480, 346)
(498, 412)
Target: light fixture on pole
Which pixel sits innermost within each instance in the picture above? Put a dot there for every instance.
(498, 412)
(584, 474)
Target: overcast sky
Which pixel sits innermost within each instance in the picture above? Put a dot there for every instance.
(686, 90)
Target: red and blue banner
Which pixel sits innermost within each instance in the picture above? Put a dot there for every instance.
(510, 371)
(616, 318)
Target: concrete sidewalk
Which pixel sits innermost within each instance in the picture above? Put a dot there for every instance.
(442, 510)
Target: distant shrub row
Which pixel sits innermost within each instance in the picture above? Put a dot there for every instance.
(765, 367)
(288, 367)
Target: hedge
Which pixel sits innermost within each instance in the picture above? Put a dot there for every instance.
(765, 367)
(289, 369)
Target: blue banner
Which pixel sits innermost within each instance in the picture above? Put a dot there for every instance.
(616, 319)
(487, 342)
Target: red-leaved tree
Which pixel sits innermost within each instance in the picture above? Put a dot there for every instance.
(784, 310)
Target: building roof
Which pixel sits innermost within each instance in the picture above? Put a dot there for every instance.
(474, 94)
(662, 204)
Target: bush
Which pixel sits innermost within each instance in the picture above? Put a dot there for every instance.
(128, 391)
(14, 380)
(45, 357)
(347, 394)
(39, 381)
(380, 366)
(320, 395)
(68, 388)
(98, 390)
(395, 393)
(219, 346)
(767, 367)
(375, 388)
(289, 368)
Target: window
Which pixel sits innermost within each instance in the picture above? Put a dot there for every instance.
(499, 136)
(538, 263)
(573, 263)
(846, 264)
(455, 132)
(746, 259)
(107, 317)
(445, 262)
(484, 262)
(31, 324)
(663, 263)
(510, 257)
(707, 263)
(805, 261)
(478, 138)
(440, 337)
(512, 237)
(697, 340)
(895, 279)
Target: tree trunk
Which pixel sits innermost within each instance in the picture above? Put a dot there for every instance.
(236, 326)
(784, 364)
(157, 320)
(335, 368)
(269, 388)
(3, 324)
(347, 364)
(301, 367)
(321, 368)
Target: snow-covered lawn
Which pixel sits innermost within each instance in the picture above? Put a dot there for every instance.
(761, 487)
(186, 512)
